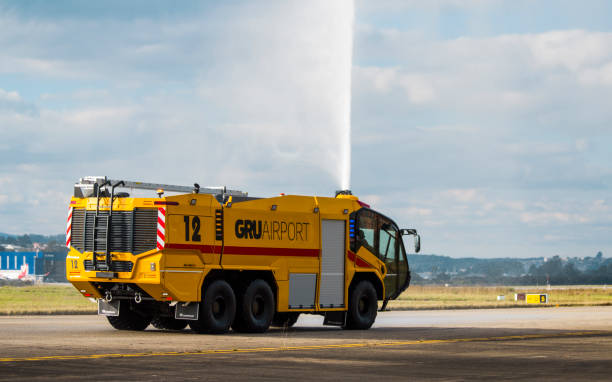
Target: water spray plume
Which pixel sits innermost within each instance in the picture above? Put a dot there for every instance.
(282, 92)
(345, 126)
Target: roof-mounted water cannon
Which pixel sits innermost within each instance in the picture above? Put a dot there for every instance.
(343, 192)
(346, 194)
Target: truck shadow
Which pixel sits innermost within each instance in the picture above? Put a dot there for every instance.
(302, 334)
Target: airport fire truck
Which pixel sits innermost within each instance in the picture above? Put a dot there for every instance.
(215, 258)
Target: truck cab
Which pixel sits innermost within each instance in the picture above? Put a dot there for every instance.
(381, 236)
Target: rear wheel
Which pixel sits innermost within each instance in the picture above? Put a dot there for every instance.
(217, 309)
(255, 308)
(285, 319)
(129, 319)
(168, 323)
(362, 306)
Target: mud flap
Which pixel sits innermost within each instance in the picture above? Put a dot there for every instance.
(187, 311)
(106, 308)
(335, 318)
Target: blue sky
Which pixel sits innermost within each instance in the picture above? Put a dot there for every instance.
(484, 124)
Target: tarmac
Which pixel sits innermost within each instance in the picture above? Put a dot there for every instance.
(482, 344)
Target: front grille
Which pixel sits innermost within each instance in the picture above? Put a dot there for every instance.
(130, 231)
(117, 265)
(145, 230)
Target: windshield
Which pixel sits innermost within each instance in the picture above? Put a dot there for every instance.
(381, 236)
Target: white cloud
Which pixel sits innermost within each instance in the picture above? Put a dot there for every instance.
(573, 50)
(431, 5)
(88, 118)
(508, 73)
(9, 96)
(461, 195)
(599, 75)
(413, 211)
(11, 103)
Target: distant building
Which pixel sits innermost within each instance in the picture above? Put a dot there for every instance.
(12, 261)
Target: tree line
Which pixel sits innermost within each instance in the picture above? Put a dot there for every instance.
(433, 269)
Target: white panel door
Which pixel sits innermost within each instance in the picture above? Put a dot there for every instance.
(333, 237)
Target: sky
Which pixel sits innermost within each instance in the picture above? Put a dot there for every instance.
(486, 125)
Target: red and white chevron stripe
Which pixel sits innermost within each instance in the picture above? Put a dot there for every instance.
(161, 228)
(69, 227)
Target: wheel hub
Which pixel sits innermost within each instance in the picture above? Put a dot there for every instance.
(363, 305)
(218, 307)
(257, 307)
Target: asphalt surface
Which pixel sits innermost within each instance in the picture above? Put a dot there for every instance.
(521, 344)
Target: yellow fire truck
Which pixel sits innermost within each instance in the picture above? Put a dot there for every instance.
(214, 258)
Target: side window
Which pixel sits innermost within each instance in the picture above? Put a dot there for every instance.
(386, 242)
(366, 230)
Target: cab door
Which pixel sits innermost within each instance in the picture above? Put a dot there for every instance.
(388, 252)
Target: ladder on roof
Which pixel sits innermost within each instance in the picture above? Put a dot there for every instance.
(86, 187)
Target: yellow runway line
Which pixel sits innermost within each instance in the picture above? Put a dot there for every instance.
(307, 347)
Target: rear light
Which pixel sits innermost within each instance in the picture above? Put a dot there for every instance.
(73, 202)
(87, 294)
(168, 298)
(165, 203)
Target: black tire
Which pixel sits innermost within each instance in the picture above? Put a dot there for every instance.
(255, 308)
(362, 307)
(129, 319)
(285, 319)
(169, 323)
(217, 309)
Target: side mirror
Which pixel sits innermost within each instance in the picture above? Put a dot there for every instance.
(417, 237)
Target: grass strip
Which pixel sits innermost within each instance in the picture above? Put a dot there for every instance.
(65, 299)
(43, 299)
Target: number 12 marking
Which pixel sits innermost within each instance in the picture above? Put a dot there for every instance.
(195, 225)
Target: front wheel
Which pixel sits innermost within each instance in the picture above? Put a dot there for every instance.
(362, 306)
(129, 319)
(217, 309)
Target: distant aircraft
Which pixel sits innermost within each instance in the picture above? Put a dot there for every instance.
(21, 274)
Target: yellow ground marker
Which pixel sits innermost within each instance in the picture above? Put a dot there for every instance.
(305, 347)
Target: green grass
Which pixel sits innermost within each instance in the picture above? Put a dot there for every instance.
(440, 297)
(43, 299)
(58, 299)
